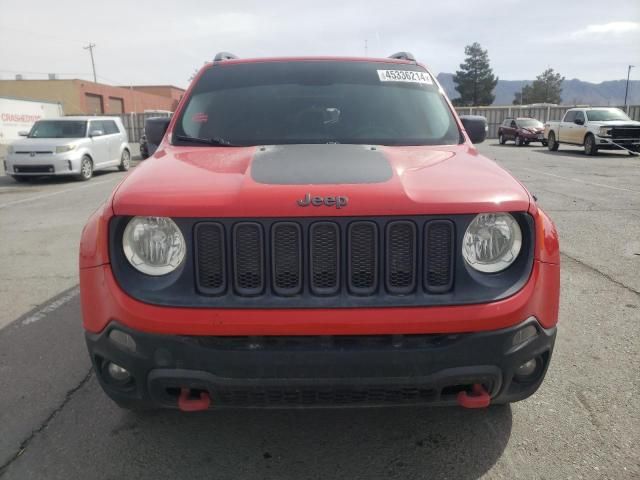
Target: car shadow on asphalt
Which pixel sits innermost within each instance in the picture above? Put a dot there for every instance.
(580, 154)
(6, 182)
(513, 145)
(405, 442)
(577, 152)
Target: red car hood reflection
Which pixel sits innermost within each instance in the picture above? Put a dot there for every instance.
(217, 182)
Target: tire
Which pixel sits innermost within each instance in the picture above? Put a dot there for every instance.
(526, 142)
(519, 141)
(20, 179)
(590, 147)
(501, 139)
(86, 169)
(552, 145)
(125, 161)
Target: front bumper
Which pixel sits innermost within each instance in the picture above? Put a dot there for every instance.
(608, 143)
(308, 371)
(38, 165)
(533, 137)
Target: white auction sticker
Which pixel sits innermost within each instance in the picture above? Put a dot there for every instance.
(409, 76)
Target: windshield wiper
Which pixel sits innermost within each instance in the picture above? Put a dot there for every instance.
(220, 142)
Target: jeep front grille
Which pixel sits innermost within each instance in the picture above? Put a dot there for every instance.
(286, 261)
(248, 256)
(363, 258)
(345, 257)
(438, 257)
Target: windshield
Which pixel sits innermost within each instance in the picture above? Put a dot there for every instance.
(530, 123)
(317, 102)
(58, 129)
(606, 115)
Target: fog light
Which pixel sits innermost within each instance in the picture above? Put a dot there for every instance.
(118, 373)
(527, 368)
(123, 340)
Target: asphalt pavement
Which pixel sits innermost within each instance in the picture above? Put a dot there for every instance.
(583, 422)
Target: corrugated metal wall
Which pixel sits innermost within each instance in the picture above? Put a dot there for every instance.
(495, 115)
(134, 123)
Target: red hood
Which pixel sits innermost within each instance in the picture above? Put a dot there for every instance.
(217, 182)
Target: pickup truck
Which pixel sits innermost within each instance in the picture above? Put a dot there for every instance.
(595, 129)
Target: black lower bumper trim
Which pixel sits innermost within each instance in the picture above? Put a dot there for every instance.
(321, 371)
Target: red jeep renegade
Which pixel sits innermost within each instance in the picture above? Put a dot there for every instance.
(313, 232)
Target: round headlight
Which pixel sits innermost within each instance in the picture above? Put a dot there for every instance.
(153, 245)
(492, 242)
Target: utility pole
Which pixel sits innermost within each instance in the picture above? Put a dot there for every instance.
(90, 47)
(626, 90)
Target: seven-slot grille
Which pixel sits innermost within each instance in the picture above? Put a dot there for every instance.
(324, 258)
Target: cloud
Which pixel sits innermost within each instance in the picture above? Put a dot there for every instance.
(615, 28)
(164, 44)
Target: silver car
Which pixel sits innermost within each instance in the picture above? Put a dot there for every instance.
(75, 146)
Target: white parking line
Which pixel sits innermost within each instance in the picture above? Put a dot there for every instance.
(52, 307)
(46, 195)
(582, 181)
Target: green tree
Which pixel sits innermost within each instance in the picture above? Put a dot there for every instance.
(475, 80)
(546, 88)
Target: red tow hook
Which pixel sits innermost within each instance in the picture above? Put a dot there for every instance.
(188, 404)
(479, 397)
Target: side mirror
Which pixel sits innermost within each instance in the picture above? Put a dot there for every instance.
(96, 133)
(155, 128)
(476, 127)
(579, 121)
(23, 133)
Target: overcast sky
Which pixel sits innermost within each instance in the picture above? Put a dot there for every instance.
(163, 42)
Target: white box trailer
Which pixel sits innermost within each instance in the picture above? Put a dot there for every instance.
(17, 115)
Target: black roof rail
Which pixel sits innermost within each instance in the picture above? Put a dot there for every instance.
(403, 56)
(224, 56)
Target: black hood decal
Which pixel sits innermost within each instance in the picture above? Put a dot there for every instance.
(320, 164)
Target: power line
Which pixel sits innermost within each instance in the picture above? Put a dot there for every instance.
(90, 47)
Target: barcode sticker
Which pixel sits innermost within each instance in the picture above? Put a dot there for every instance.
(409, 76)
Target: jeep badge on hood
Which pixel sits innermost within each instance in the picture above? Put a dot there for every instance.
(337, 202)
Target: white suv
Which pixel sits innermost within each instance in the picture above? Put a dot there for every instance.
(75, 146)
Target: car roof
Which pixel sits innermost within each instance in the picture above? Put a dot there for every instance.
(595, 108)
(311, 58)
(81, 118)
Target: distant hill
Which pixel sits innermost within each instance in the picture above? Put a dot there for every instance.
(574, 92)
